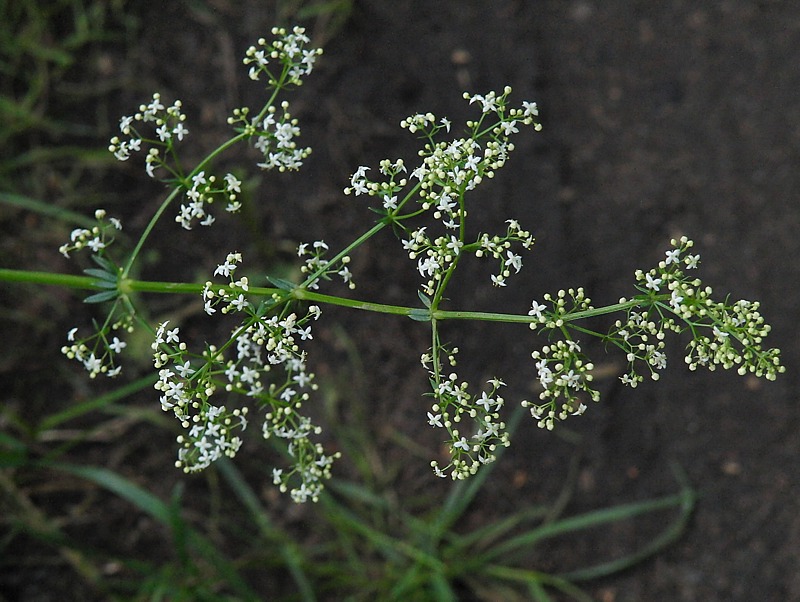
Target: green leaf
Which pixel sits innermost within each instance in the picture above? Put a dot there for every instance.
(284, 285)
(13, 452)
(420, 315)
(426, 301)
(102, 274)
(105, 263)
(100, 297)
(105, 284)
(166, 514)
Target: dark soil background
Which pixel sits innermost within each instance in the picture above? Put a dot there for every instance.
(660, 119)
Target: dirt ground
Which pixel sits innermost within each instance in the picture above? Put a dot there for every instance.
(660, 119)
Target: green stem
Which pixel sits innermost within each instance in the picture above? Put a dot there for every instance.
(353, 245)
(63, 280)
(299, 293)
(171, 197)
(200, 166)
(526, 319)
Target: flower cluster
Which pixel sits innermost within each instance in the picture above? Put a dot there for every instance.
(98, 352)
(316, 266)
(452, 403)
(201, 191)
(232, 297)
(499, 247)
(186, 391)
(288, 51)
(262, 367)
(262, 361)
(439, 185)
(168, 125)
(565, 376)
(566, 303)
(96, 238)
(641, 337)
(284, 61)
(270, 368)
(386, 190)
(274, 135)
(448, 171)
(671, 300)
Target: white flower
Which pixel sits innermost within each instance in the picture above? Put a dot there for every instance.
(515, 261)
(435, 420)
(673, 256)
(163, 133)
(155, 106)
(509, 127)
(652, 283)
(96, 244)
(180, 131)
(720, 334)
(427, 266)
(172, 336)
(116, 345)
(125, 124)
(485, 401)
(239, 303)
(462, 444)
(570, 379)
(536, 310)
(232, 183)
(358, 181)
(529, 109)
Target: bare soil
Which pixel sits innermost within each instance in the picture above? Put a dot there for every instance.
(660, 119)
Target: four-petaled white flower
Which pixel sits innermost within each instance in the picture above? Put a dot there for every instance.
(462, 444)
(529, 109)
(652, 283)
(515, 261)
(435, 420)
(673, 256)
(116, 345)
(180, 130)
(537, 309)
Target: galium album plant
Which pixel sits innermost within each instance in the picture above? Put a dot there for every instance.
(261, 376)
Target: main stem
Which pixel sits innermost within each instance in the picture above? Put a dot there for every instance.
(418, 313)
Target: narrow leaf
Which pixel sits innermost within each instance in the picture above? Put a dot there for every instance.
(100, 297)
(420, 315)
(102, 274)
(426, 301)
(284, 285)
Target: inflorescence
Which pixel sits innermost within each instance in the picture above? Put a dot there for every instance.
(262, 367)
